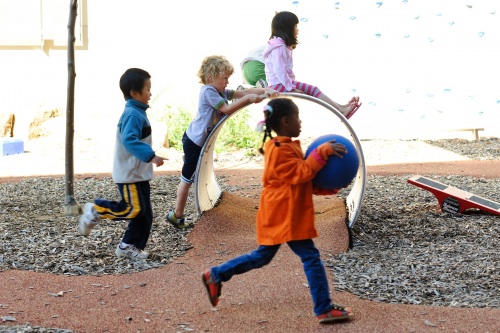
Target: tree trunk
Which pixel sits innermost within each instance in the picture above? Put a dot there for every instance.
(71, 207)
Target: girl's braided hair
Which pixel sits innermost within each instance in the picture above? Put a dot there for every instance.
(276, 109)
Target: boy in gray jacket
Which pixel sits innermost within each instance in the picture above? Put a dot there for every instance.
(132, 170)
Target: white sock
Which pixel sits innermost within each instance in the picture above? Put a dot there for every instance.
(123, 245)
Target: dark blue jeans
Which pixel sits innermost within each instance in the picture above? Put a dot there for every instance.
(309, 255)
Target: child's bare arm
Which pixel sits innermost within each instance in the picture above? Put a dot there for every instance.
(259, 91)
(246, 97)
(241, 102)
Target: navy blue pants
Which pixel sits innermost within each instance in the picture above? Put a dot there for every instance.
(311, 261)
(135, 206)
(191, 156)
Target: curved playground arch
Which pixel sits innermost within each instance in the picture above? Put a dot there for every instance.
(207, 191)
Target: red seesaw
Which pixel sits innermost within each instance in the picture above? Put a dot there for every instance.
(453, 200)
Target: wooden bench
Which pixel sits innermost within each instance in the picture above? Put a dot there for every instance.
(474, 130)
(453, 200)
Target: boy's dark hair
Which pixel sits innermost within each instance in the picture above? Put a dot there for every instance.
(133, 79)
(282, 26)
(281, 107)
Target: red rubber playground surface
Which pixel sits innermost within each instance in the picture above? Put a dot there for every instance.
(272, 299)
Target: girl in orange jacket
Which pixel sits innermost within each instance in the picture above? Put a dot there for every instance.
(286, 211)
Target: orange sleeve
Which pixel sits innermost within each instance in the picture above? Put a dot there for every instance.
(321, 153)
(290, 166)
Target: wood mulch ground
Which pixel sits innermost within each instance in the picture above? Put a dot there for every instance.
(273, 299)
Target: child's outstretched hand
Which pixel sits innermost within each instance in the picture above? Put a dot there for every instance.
(338, 149)
(270, 93)
(254, 98)
(158, 160)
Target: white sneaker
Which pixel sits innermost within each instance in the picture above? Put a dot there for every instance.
(131, 252)
(88, 220)
(261, 84)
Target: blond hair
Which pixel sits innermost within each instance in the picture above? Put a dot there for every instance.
(214, 66)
